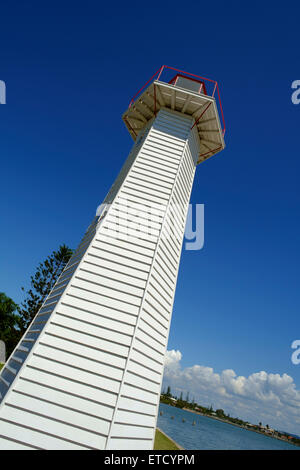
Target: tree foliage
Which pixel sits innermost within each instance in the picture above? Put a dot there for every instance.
(9, 332)
(42, 282)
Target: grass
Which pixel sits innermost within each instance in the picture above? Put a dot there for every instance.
(1, 365)
(163, 443)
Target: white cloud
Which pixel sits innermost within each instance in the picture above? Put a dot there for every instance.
(270, 398)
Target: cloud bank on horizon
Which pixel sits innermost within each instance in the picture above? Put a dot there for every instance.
(270, 398)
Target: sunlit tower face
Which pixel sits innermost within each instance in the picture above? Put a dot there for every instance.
(87, 374)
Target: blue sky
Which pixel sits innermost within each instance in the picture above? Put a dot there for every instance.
(71, 69)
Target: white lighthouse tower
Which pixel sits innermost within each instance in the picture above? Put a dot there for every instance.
(87, 373)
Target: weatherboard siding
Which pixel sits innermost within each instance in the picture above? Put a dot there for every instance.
(87, 374)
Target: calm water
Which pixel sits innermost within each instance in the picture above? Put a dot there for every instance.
(211, 434)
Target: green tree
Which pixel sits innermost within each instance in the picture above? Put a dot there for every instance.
(168, 394)
(42, 282)
(9, 332)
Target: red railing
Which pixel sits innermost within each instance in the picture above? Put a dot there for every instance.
(211, 84)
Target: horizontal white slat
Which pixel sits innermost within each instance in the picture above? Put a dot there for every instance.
(117, 229)
(175, 129)
(143, 211)
(65, 399)
(66, 431)
(171, 249)
(155, 170)
(130, 243)
(123, 214)
(161, 287)
(158, 302)
(169, 271)
(123, 430)
(158, 322)
(91, 329)
(6, 444)
(143, 176)
(72, 359)
(135, 201)
(69, 386)
(103, 291)
(174, 228)
(67, 273)
(57, 291)
(177, 215)
(137, 354)
(151, 343)
(92, 341)
(85, 351)
(50, 303)
(160, 315)
(145, 195)
(162, 153)
(126, 417)
(142, 228)
(133, 238)
(159, 266)
(156, 294)
(184, 122)
(119, 259)
(73, 373)
(134, 405)
(35, 438)
(152, 331)
(158, 209)
(102, 300)
(169, 147)
(150, 352)
(100, 310)
(111, 284)
(21, 355)
(130, 444)
(124, 251)
(143, 371)
(111, 276)
(95, 319)
(176, 126)
(165, 139)
(117, 267)
(157, 176)
(166, 285)
(159, 134)
(160, 191)
(50, 410)
(132, 392)
(160, 165)
(141, 382)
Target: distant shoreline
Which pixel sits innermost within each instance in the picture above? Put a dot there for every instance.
(240, 426)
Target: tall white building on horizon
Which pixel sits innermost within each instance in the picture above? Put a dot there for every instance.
(87, 373)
